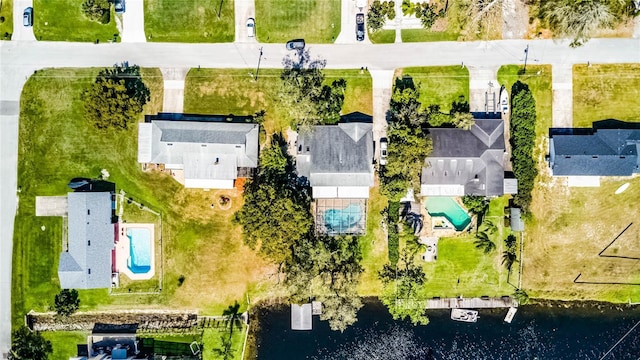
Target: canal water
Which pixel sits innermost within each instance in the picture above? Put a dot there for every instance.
(536, 333)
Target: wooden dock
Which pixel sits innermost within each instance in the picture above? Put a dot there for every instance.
(471, 303)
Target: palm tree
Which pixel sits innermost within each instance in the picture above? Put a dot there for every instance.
(483, 242)
(508, 258)
(490, 226)
(510, 242)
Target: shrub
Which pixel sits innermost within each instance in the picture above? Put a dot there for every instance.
(97, 10)
(407, 8)
(393, 216)
(67, 302)
(523, 137)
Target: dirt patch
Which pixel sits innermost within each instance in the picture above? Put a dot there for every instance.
(515, 19)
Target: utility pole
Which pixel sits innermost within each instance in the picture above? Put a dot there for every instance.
(526, 55)
(259, 59)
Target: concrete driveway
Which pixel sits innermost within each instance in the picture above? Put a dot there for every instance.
(243, 10)
(21, 32)
(133, 22)
(348, 24)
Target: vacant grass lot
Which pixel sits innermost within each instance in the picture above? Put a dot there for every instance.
(570, 227)
(6, 26)
(423, 35)
(440, 85)
(603, 92)
(316, 21)
(200, 242)
(63, 20)
(373, 245)
(189, 21)
(231, 91)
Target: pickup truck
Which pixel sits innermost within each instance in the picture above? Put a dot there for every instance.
(360, 27)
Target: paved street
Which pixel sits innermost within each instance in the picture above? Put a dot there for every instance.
(21, 58)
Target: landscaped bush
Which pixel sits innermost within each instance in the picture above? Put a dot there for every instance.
(97, 10)
(378, 13)
(393, 216)
(523, 137)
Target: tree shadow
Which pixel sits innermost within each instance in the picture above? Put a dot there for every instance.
(405, 82)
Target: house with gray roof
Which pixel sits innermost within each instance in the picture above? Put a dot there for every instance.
(467, 162)
(86, 260)
(337, 160)
(205, 154)
(601, 152)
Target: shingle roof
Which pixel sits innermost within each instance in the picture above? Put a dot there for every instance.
(87, 264)
(605, 152)
(199, 146)
(337, 155)
(471, 158)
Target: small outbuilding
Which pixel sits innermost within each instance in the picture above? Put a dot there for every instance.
(516, 220)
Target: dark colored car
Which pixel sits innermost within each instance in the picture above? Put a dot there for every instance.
(297, 44)
(27, 17)
(119, 6)
(360, 27)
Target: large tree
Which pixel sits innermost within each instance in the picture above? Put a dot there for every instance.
(97, 10)
(305, 96)
(116, 98)
(67, 302)
(275, 213)
(327, 268)
(401, 293)
(28, 345)
(580, 19)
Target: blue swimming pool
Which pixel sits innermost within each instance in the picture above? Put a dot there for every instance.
(447, 207)
(341, 220)
(139, 250)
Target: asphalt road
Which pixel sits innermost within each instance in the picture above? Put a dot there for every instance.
(19, 59)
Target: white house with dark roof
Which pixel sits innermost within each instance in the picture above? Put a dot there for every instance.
(585, 157)
(86, 261)
(467, 162)
(337, 160)
(210, 154)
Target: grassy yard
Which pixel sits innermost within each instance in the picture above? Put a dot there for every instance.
(199, 241)
(439, 84)
(65, 343)
(423, 35)
(63, 20)
(6, 26)
(214, 347)
(373, 245)
(316, 21)
(382, 36)
(462, 269)
(189, 21)
(227, 91)
(603, 92)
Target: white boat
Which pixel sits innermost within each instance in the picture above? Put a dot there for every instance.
(504, 100)
(510, 314)
(464, 315)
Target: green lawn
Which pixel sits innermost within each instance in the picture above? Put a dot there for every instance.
(373, 245)
(383, 36)
(316, 21)
(189, 21)
(423, 35)
(603, 92)
(199, 242)
(65, 343)
(6, 26)
(232, 91)
(214, 339)
(63, 20)
(439, 84)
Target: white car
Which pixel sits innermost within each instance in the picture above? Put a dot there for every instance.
(383, 151)
(251, 27)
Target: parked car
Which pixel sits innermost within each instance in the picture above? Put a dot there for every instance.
(297, 44)
(383, 151)
(251, 27)
(360, 27)
(119, 6)
(27, 17)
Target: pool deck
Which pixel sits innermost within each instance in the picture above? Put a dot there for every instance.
(123, 253)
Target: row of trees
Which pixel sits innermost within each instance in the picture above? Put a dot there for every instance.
(378, 14)
(523, 137)
(428, 13)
